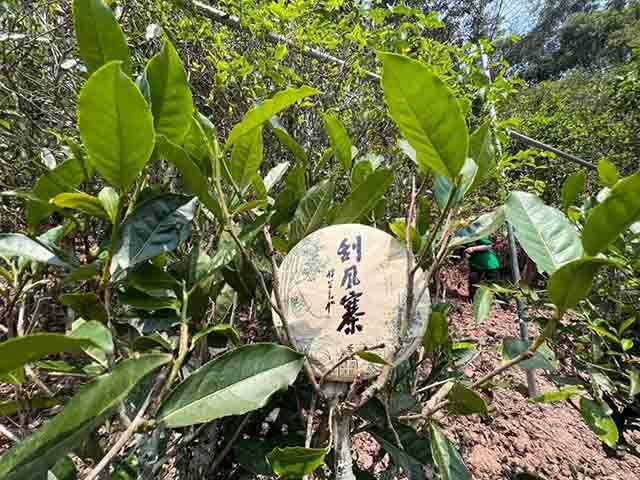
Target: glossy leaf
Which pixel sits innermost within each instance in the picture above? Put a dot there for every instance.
(444, 188)
(219, 330)
(340, 140)
(64, 469)
(360, 172)
(143, 301)
(543, 358)
(416, 453)
(149, 276)
(600, 423)
(86, 305)
(246, 158)
(464, 401)
(171, 102)
(273, 177)
(66, 176)
(260, 114)
(312, 211)
(446, 457)
(572, 187)
(110, 201)
(572, 282)
(481, 151)
(482, 303)
(296, 462)
(100, 38)
(559, 395)
(365, 197)
(372, 357)
(608, 173)
(287, 201)
(193, 178)
(99, 334)
(437, 332)
(613, 216)
(10, 408)
(81, 415)
(544, 232)
(115, 125)
(18, 245)
(484, 226)
(634, 386)
(19, 351)
(233, 384)
(156, 226)
(80, 201)
(427, 114)
(286, 139)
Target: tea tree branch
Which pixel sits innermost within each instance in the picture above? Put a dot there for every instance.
(225, 451)
(346, 359)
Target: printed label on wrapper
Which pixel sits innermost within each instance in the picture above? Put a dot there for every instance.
(344, 289)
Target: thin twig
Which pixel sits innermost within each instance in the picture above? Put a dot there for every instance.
(310, 417)
(409, 220)
(387, 412)
(9, 434)
(225, 451)
(346, 358)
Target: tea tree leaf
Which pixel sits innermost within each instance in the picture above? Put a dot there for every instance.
(99, 334)
(572, 282)
(416, 453)
(100, 38)
(340, 140)
(426, 113)
(572, 187)
(156, 226)
(543, 358)
(260, 114)
(483, 226)
(81, 201)
(544, 232)
(372, 358)
(360, 172)
(233, 384)
(365, 197)
(82, 414)
(445, 188)
(311, 212)
(171, 101)
(464, 401)
(446, 457)
(220, 330)
(287, 201)
(116, 125)
(559, 395)
(246, 158)
(19, 351)
(86, 305)
(296, 462)
(18, 245)
(613, 216)
(286, 139)
(481, 151)
(601, 424)
(437, 332)
(608, 173)
(482, 303)
(110, 201)
(273, 177)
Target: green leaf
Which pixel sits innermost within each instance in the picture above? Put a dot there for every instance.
(340, 140)
(481, 151)
(427, 114)
(220, 330)
(572, 282)
(371, 357)
(601, 424)
(80, 201)
(286, 139)
(485, 225)
(544, 232)
(149, 276)
(64, 469)
(10, 408)
(273, 177)
(613, 216)
(115, 125)
(608, 173)
(196, 144)
(572, 187)
(543, 358)
(66, 176)
(312, 211)
(444, 188)
(82, 414)
(99, 334)
(100, 38)
(296, 462)
(143, 301)
(171, 102)
(246, 158)
(193, 178)
(110, 201)
(398, 227)
(365, 197)
(437, 332)
(464, 401)
(19, 351)
(446, 457)
(634, 386)
(156, 226)
(289, 198)
(360, 172)
(260, 114)
(559, 395)
(233, 384)
(482, 303)
(416, 453)
(18, 245)
(86, 305)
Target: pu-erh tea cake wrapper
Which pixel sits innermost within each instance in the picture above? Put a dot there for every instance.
(344, 289)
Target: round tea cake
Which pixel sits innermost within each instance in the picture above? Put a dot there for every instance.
(344, 290)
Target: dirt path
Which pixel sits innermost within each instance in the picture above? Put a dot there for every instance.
(550, 441)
